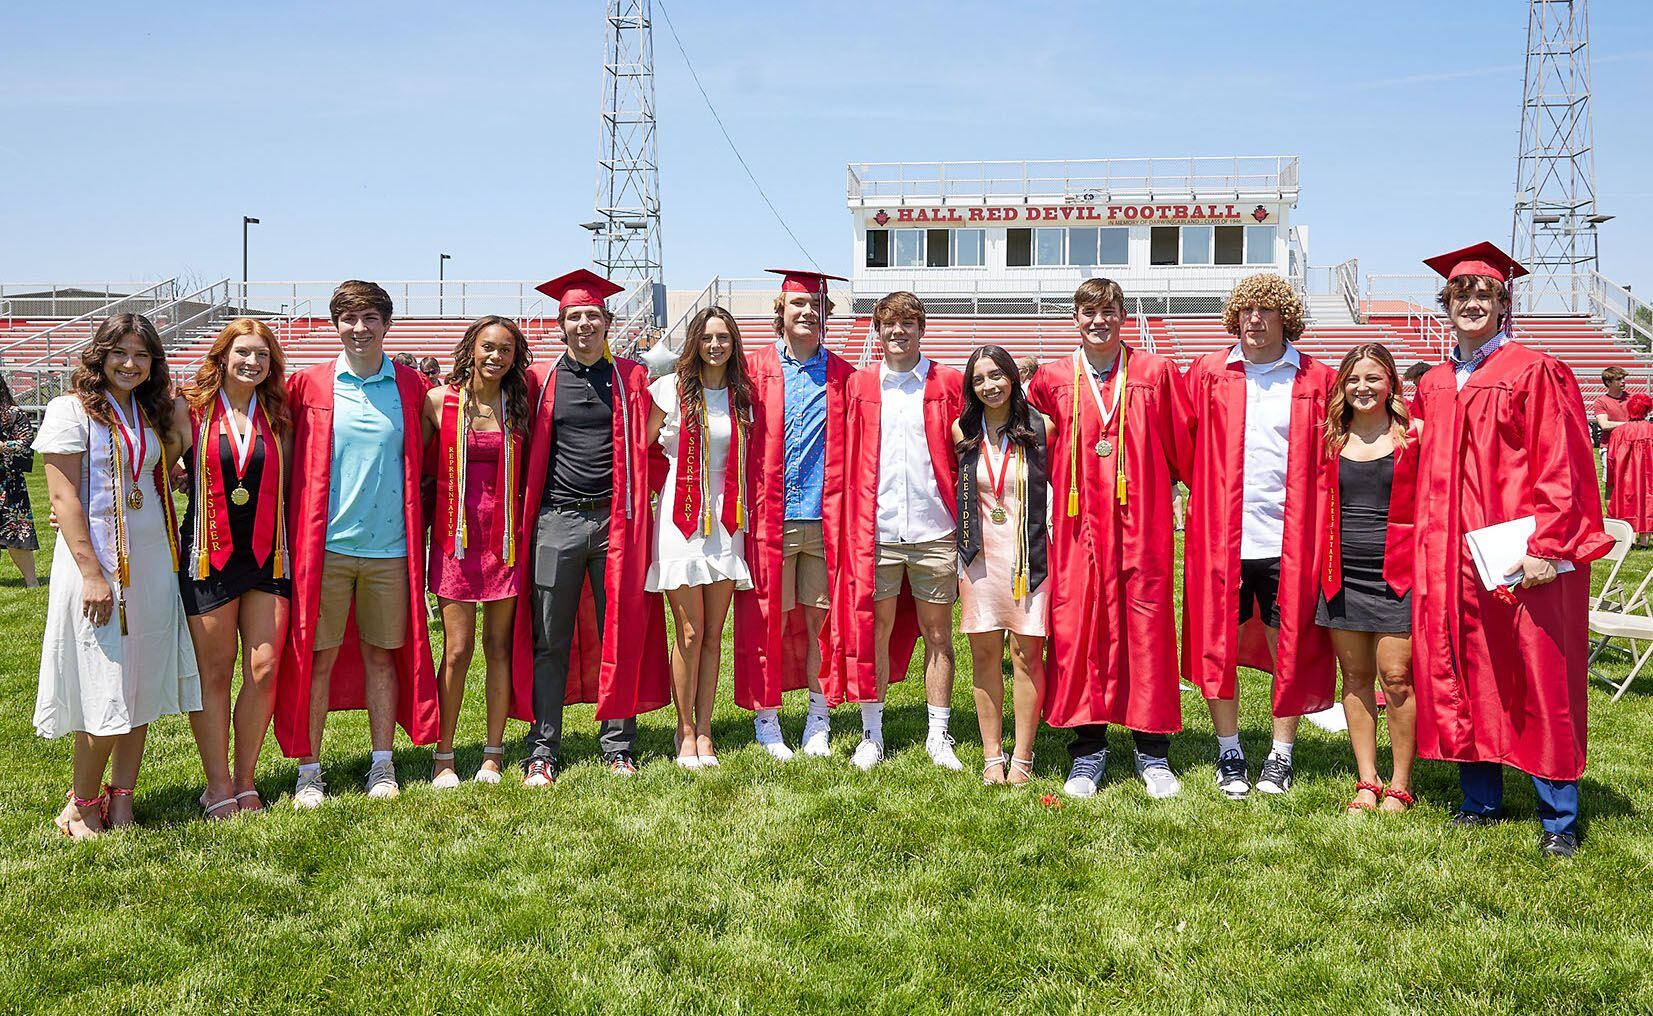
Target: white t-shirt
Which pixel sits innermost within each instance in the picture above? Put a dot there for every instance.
(1268, 389)
(910, 508)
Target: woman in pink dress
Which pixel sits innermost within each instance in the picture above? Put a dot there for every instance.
(480, 420)
(1003, 554)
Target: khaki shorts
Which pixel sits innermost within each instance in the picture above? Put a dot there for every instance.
(379, 589)
(931, 568)
(803, 566)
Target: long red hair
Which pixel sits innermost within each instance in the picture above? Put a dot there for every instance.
(272, 391)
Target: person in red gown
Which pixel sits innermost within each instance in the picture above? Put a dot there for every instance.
(783, 634)
(899, 574)
(1501, 675)
(1257, 414)
(590, 631)
(1630, 468)
(357, 636)
(479, 419)
(1118, 441)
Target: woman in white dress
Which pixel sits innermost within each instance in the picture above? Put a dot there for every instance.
(116, 652)
(702, 418)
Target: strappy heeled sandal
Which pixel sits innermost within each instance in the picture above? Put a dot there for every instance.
(1403, 796)
(1356, 805)
(110, 792)
(448, 778)
(1024, 766)
(987, 765)
(486, 775)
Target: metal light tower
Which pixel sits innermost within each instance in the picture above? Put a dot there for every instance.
(1554, 233)
(627, 233)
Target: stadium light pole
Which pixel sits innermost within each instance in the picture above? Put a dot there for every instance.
(246, 220)
(441, 283)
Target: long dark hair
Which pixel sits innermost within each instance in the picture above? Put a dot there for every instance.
(88, 381)
(1020, 430)
(688, 367)
(1338, 411)
(515, 382)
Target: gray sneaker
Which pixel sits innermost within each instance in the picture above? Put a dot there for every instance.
(381, 781)
(310, 791)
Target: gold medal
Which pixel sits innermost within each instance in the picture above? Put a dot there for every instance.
(1104, 448)
(134, 498)
(239, 496)
(998, 515)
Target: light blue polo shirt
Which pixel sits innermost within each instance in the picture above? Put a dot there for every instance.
(364, 496)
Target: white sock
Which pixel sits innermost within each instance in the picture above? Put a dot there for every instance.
(938, 718)
(872, 720)
(1228, 744)
(1282, 749)
(763, 717)
(309, 768)
(768, 724)
(381, 756)
(817, 704)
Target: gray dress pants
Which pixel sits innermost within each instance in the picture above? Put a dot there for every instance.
(570, 547)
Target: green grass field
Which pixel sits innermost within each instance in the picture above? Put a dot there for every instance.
(809, 887)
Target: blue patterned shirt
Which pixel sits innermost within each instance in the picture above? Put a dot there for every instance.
(1462, 368)
(806, 409)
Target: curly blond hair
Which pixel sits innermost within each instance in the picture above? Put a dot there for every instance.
(1268, 291)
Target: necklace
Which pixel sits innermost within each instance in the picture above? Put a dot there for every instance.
(997, 511)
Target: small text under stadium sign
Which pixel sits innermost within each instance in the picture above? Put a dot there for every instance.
(1169, 213)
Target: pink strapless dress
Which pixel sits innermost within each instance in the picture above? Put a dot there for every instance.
(481, 575)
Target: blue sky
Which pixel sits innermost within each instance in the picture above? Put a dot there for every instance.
(369, 137)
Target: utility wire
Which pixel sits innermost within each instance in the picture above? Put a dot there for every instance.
(719, 120)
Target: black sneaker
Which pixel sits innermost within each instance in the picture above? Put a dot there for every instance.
(1276, 775)
(1557, 844)
(1232, 779)
(1474, 819)
(620, 763)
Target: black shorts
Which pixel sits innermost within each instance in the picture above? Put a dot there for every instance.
(1260, 590)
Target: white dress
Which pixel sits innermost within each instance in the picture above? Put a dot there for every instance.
(698, 560)
(92, 678)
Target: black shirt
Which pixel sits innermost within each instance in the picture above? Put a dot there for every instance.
(582, 433)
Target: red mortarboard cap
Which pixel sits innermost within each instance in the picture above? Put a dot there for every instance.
(799, 281)
(579, 288)
(1483, 258)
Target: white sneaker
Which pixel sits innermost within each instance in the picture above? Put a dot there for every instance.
(381, 781)
(1157, 776)
(817, 732)
(867, 754)
(940, 746)
(310, 791)
(1086, 774)
(768, 731)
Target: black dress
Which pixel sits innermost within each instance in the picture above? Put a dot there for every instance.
(242, 572)
(1365, 603)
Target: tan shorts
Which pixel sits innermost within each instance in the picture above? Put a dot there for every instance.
(378, 586)
(931, 568)
(803, 566)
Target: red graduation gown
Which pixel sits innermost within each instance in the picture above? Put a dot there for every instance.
(1214, 642)
(1630, 474)
(855, 678)
(1397, 537)
(1497, 683)
(771, 647)
(623, 668)
(310, 395)
(1112, 652)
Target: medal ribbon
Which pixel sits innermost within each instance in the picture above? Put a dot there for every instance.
(243, 443)
(1107, 415)
(212, 542)
(987, 460)
(135, 456)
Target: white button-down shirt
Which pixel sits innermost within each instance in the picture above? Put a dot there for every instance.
(910, 509)
(1267, 432)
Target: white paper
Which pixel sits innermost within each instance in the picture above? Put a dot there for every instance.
(1498, 550)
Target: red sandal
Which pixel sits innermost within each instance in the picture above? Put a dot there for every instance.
(1402, 796)
(1375, 789)
(110, 792)
(100, 802)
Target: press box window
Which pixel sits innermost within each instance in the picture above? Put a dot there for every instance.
(1047, 247)
(909, 248)
(1259, 245)
(878, 248)
(969, 247)
(1018, 248)
(1162, 245)
(935, 248)
(1230, 244)
(1196, 245)
(1113, 246)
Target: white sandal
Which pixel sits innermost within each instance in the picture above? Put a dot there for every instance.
(1023, 764)
(252, 794)
(989, 763)
(447, 779)
(486, 775)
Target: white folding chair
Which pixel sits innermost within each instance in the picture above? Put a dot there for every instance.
(1632, 622)
(1624, 538)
